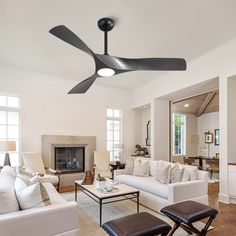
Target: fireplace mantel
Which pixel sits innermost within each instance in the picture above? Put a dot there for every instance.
(49, 142)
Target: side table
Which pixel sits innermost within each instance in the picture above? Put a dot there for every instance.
(115, 166)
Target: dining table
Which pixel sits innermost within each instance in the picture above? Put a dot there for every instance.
(201, 158)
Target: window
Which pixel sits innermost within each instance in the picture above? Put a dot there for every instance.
(114, 122)
(179, 134)
(10, 125)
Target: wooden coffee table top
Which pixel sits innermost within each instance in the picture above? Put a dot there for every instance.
(123, 190)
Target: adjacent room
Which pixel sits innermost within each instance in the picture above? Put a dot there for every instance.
(117, 118)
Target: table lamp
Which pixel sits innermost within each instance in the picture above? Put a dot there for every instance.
(120, 147)
(7, 146)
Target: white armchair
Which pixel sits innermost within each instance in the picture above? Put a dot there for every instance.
(34, 162)
(102, 163)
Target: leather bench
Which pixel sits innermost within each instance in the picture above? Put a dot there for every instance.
(184, 214)
(139, 224)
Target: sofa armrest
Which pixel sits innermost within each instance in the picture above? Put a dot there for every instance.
(118, 172)
(187, 190)
(48, 220)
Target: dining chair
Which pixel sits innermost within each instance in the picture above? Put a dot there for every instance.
(213, 166)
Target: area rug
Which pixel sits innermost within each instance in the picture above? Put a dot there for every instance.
(89, 214)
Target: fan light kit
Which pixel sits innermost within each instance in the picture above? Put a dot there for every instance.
(106, 65)
(106, 72)
(186, 105)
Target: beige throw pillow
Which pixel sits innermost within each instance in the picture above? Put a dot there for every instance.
(141, 167)
(163, 172)
(176, 173)
(31, 196)
(129, 166)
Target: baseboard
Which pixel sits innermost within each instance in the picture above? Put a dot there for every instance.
(224, 198)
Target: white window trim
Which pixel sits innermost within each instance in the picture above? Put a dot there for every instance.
(120, 130)
(173, 134)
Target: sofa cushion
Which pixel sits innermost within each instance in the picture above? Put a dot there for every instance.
(129, 166)
(141, 167)
(176, 173)
(192, 171)
(8, 200)
(152, 167)
(163, 172)
(146, 184)
(34, 195)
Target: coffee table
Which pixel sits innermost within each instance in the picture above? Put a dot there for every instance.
(124, 192)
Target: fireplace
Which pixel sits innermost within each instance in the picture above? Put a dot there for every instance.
(70, 159)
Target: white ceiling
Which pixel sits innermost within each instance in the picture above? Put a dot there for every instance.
(153, 28)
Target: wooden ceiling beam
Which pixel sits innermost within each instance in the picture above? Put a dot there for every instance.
(206, 102)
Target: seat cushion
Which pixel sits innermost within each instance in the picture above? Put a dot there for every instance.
(8, 200)
(147, 184)
(188, 211)
(139, 224)
(53, 179)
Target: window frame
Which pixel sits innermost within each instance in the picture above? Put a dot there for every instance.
(18, 110)
(182, 124)
(114, 142)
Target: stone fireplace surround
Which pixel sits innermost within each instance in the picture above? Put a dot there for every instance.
(49, 142)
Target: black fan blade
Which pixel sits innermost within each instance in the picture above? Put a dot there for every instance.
(83, 86)
(63, 33)
(165, 64)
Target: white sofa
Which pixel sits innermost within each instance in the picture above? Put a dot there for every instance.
(59, 218)
(156, 195)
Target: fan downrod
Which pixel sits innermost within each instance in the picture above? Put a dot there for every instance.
(106, 24)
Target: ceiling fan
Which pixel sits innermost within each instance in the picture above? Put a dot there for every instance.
(107, 65)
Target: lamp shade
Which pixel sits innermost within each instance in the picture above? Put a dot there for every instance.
(8, 146)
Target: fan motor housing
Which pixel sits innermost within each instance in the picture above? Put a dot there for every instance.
(105, 24)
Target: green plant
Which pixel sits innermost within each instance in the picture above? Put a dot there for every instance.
(100, 178)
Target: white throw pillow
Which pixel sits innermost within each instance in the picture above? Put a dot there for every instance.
(7, 170)
(163, 172)
(192, 171)
(141, 167)
(31, 196)
(129, 166)
(8, 200)
(186, 175)
(176, 173)
(152, 167)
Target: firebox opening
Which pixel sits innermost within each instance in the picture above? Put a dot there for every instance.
(70, 159)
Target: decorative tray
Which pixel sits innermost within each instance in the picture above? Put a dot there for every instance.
(113, 190)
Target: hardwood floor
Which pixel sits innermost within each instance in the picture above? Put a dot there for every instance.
(225, 222)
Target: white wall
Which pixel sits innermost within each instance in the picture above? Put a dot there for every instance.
(207, 122)
(160, 130)
(47, 109)
(231, 119)
(142, 116)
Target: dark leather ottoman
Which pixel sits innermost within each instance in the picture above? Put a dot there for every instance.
(139, 224)
(184, 214)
